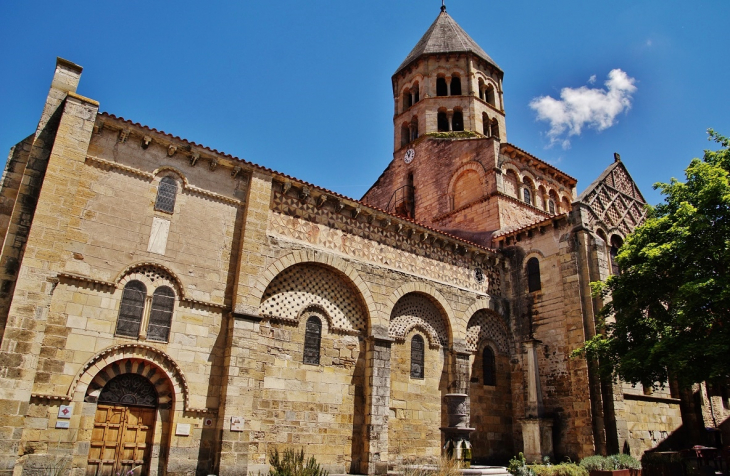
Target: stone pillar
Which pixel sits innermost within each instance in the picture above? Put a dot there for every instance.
(537, 431)
(238, 396)
(251, 257)
(449, 118)
(377, 403)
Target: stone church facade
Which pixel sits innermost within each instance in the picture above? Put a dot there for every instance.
(171, 309)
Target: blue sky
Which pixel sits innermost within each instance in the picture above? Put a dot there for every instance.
(304, 86)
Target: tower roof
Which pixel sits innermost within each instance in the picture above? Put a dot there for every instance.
(445, 36)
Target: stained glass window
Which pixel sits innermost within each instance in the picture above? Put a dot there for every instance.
(131, 309)
(417, 348)
(163, 302)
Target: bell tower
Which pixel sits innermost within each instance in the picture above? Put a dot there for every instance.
(447, 83)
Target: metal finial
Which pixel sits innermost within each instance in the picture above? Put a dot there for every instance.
(616, 157)
(443, 6)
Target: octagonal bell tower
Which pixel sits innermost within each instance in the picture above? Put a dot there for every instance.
(447, 83)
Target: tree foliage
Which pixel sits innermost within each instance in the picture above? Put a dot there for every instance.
(669, 311)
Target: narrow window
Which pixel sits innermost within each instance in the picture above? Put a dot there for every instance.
(456, 86)
(490, 95)
(551, 206)
(163, 302)
(312, 340)
(527, 195)
(489, 367)
(533, 275)
(166, 193)
(495, 129)
(416, 94)
(458, 121)
(485, 124)
(404, 135)
(441, 89)
(414, 129)
(417, 357)
(131, 309)
(443, 122)
(481, 89)
(615, 245)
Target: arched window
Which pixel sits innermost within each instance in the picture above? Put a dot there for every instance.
(406, 100)
(163, 302)
(416, 93)
(533, 275)
(615, 245)
(481, 89)
(405, 134)
(414, 129)
(443, 122)
(485, 124)
(489, 95)
(441, 89)
(456, 86)
(312, 340)
(489, 367)
(457, 121)
(166, 192)
(417, 349)
(132, 309)
(527, 196)
(495, 128)
(551, 206)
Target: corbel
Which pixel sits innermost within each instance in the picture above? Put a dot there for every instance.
(146, 141)
(171, 150)
(194, 159)
(123, 135)
(213, 164)
(236, 170)
(398, 228)
(339, 206)
(386, 222)
(98, 128)
(285, 187)
(322, 200)
(371, 218)
(424, 236)
(304, 194)
(356, 211)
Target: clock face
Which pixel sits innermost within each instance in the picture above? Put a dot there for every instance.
(410, 155)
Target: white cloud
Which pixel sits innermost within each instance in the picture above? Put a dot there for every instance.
(581, 107)
(592, 79)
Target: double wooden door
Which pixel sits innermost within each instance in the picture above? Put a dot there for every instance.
(121, 441)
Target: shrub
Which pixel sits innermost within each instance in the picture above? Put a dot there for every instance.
(292, 464)
(562, 469)
(596, 463)
(624, 461)
(518, 466)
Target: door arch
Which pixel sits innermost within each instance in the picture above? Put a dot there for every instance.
(124, 426)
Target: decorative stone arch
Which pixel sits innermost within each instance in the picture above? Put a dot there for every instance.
(526, 173)
(432, 294)
(168, 170)
(469, 166)
(333, 262)
(566, 203)
(487, 325)
(172, 385)
(321, 310)
(507, 166)
(149, 273)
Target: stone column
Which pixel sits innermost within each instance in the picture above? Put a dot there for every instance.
(377, 403)
(537, 431)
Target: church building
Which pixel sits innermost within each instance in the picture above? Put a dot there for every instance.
(168, 309)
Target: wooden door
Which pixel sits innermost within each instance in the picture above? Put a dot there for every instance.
(121, 441)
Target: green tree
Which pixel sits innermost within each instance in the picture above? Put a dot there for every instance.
(669, 313)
